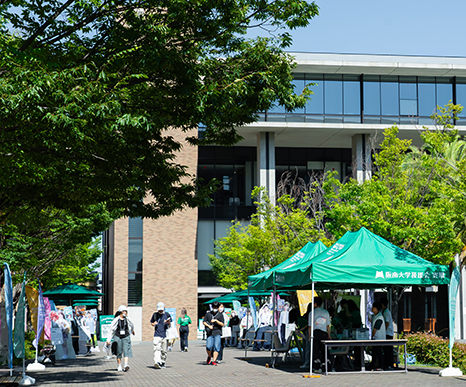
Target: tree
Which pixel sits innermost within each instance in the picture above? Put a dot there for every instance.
(409, 208)
(274, 234)
(53, 245)
(90, 88)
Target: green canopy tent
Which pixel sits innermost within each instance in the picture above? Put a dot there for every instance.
(361, 260)
(241, 295)
(265, 279)
(67, 294)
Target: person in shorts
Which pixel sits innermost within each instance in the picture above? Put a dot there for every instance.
(121, 329)
(213, 322)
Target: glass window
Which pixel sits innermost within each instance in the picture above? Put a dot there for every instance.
(371, 98)
(299, 85)
(316, 104)
(426, 99)
(444, 93)
(461, 98)
(135, 255)
(352, 97)
(390, 98)
(333, 95)
(408, 97)
(135, 289)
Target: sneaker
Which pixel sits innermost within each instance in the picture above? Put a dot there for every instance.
(162, 365)
(186, 349)
(209, 359)
(157, 365)
(126, 368)
(120, 368)
(214, 363)
(304, 366)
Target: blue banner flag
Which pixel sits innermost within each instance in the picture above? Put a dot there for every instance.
(252, 307)
(453, 291)
(40, 318)
(19, 323)
(9, 312)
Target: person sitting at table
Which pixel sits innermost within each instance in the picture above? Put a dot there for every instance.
(264, 322)
(378, 333)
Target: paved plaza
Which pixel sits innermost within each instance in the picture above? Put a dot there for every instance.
(189, 369)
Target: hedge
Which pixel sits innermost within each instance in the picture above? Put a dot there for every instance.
(431, 349)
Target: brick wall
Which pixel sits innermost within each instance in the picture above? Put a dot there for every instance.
(169, 257)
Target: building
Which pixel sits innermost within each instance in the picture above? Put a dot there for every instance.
(355, 98)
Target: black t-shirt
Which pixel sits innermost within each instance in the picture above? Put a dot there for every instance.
(122, 326)
(217, 327)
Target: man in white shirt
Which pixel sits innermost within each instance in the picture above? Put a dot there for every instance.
(321, 332)
(388, 350)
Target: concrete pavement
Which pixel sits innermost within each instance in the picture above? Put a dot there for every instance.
(189, 369)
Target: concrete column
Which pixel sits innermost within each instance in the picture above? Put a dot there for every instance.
(266, 163)
(362, 157)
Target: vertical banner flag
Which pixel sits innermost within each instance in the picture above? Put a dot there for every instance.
(454, 284)
(19, 336)
(40, 318)
(48, 322)
(9, 312)
(252, 307)
(32, 296)
(304, 299)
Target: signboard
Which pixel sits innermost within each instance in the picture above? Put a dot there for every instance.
(105, 322)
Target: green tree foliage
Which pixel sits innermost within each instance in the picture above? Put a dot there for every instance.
(89, 92)
(274, 234)
(89, 89)
(409, 207)
(53, 245)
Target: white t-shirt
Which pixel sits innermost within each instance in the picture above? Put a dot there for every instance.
(387, 315)
(321, 319)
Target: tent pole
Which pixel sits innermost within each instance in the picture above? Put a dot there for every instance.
(247, 329)
(311, 363)
(274, 330)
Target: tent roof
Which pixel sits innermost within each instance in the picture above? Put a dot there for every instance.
(241, 294)
(71, 291)
(264, 280)
(363, 260)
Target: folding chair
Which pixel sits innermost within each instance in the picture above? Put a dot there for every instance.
(279, 348)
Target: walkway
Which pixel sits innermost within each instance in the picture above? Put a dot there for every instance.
(189, 369)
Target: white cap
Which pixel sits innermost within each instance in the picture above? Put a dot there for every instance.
(160, 306)
(121, 308)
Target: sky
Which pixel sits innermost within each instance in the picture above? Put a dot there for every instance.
(395, 27)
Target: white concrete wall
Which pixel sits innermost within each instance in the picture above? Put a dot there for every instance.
(135, 315)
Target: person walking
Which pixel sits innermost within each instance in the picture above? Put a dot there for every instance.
(213, 322)
(121, 329)
(161, 321)
(183, 321)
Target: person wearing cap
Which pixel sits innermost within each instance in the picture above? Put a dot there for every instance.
(121, 329)
(161, 321)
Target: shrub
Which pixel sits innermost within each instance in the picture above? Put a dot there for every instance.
(431, 349)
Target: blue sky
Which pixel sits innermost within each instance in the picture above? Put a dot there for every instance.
(404, 27)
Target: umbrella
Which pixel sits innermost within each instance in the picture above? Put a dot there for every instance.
(70, 292)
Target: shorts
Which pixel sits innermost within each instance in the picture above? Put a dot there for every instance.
(123, 347)
(214, 342)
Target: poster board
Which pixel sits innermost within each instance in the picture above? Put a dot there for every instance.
(105, 322)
